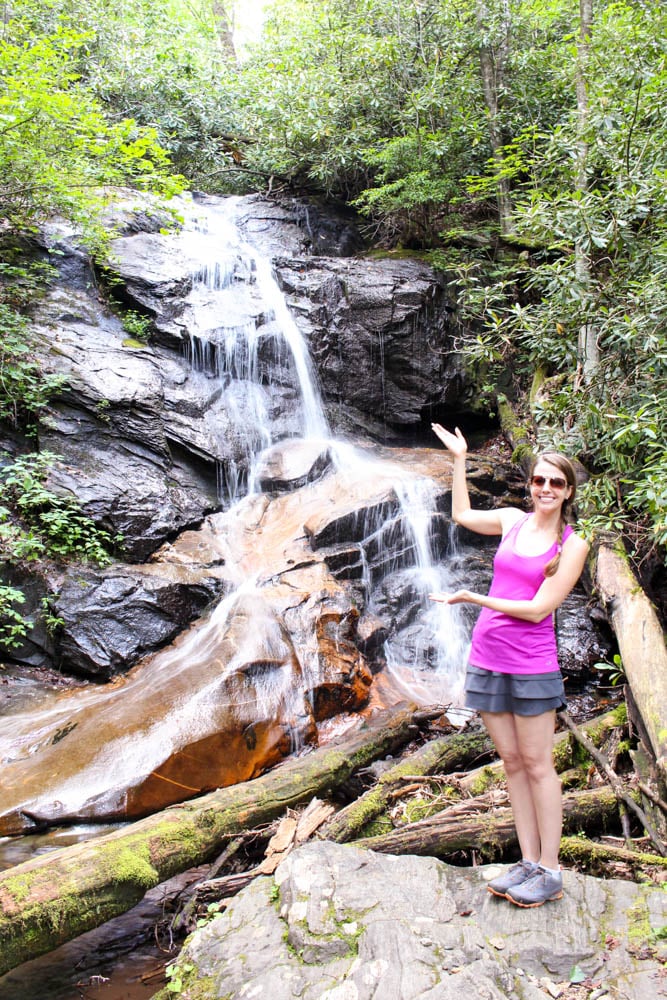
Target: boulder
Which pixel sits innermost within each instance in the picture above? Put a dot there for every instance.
(340, 923)
(111, 618)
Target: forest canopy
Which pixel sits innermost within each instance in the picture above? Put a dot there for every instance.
(519, 143)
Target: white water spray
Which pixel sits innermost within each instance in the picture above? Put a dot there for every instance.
(241, 332)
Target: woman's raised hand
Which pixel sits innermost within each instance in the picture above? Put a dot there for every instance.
(454, 443)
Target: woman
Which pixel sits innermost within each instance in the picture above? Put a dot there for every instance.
(513, 677)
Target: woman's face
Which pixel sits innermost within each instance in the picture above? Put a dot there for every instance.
(549, 488)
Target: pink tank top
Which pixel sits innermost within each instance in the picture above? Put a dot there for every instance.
(511, 645)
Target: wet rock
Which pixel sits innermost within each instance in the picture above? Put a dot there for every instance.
(356, 524)
(157, 270)
(323, 623)
(372, 633)
(110, 619)
(346, 677)
(349, 923)
(298, 226)
(110, 425)
(582, 640)
(293, 464)
(220, 706)
(382, 318)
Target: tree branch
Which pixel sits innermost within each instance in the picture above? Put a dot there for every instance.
(608, 772)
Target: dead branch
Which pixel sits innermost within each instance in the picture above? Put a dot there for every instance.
(616, 784)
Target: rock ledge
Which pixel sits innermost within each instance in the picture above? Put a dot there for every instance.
(340, 923)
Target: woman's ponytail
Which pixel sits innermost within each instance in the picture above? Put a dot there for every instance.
(552, 565)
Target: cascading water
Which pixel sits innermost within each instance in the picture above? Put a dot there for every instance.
(251, 670)
(241, 332)
(427, 650)
(234, 282)
(433, 647)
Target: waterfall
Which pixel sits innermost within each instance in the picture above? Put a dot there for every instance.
(240, 331)
(426, 655)
(287, 632)
(234, 283)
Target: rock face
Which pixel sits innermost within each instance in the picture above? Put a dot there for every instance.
(110, 618)
(339, 923)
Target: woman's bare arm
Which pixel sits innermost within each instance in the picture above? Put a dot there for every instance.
(550, 596)
(484, 522)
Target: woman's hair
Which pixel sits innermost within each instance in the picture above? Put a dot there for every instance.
(563, 463)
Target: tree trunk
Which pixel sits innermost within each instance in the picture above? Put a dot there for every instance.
(492, 60)
(55, 897)
(589, 357)
(519, 433)
(492, 834)
(224, 24)
(640, 641)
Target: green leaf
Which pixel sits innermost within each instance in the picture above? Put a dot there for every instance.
(577, 975)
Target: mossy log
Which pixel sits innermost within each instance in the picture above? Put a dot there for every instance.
(641, 642)
(56, 897)
(518, 432)
(595, 857)
(490, 834)
(449, 753)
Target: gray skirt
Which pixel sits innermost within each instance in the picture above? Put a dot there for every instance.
(520, 694)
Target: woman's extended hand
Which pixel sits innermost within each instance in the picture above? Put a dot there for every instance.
(458, 597)
(454, 443)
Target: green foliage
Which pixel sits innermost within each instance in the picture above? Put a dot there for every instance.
(38, 523)
(212, 910)
(51, 621)
(136, 325)
(382, 103)
(57, 148)
(614, 671)
(174, 973)
(23, 388)
(594, 256)
(13, 626)
(167, 67)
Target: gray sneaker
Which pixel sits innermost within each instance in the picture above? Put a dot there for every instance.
(537, 889)
(515, 875)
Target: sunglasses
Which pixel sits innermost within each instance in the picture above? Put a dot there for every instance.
(557, 482)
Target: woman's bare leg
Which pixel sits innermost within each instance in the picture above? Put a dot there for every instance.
(502, 730)
(536, 736)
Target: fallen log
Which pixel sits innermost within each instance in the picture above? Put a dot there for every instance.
(640, 640)
(56, 897)
(437, 757)
(448, 753)
(491, 834)
(595, 857)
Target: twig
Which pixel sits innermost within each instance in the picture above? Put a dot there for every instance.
(230, 850)
(606, 769)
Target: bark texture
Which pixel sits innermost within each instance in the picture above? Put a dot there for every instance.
(640, 641)
(490, 833)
